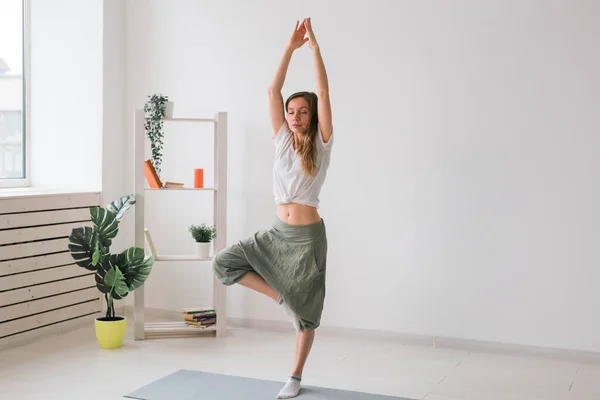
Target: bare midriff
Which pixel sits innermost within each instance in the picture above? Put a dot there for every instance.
(298, 214)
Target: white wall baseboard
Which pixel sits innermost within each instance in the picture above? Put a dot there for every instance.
(285, 327)
(405, 338)
(516, 349)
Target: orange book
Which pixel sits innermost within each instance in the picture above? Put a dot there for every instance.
(151, 175)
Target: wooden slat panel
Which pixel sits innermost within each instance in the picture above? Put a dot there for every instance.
(39, 282)
(39, 232)
(50, 317)
(35, 263)
(8, 221)
(45, 290)
(41, 276)
(33, 248)
(47, 304)
(52, 201)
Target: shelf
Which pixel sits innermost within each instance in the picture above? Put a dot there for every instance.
(162, 329)
(184, 188)
(190, 257)
(189, 119)
(216, 126)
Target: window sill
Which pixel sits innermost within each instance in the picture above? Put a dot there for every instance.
(19, 192)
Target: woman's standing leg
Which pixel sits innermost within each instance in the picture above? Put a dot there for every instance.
(304, 342)
(304, 337)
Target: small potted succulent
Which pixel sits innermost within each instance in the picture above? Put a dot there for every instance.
(203, 235)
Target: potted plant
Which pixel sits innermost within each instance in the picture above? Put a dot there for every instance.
(156, 108)
(203, 235)
(117, 274)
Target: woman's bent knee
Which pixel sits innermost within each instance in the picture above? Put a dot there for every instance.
(229, 266)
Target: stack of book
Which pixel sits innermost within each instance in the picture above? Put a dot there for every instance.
(154, 180)
(202, 317)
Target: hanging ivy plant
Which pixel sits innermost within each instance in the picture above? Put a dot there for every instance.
(155, 112)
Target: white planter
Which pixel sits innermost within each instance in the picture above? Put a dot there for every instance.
(169, 106)
(203, 249)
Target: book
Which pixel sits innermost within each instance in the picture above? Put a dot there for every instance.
(202, 323)
(195, 310)
(173, 184)
(151, 175)
(198, 325)
(199, 316)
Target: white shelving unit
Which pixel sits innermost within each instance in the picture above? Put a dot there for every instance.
(145, 330)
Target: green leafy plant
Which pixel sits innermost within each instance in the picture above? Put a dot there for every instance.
(202, 233)
(116, 274)
(155, 111)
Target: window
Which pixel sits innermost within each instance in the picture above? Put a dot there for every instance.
(14, 97)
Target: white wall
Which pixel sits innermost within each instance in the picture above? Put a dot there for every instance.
(461, 199)
(115, 156)
(78, 98)
(66, 94)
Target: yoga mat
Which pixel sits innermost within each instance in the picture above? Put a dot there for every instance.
(197, 385)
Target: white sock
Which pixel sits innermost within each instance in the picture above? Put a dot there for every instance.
(288, 310)
(291, 388)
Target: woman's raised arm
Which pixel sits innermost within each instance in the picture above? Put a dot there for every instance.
(276, 111)
(324, 104)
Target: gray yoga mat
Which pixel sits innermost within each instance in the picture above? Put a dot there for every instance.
(197, 385)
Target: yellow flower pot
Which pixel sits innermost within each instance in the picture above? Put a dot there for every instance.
(110, 334)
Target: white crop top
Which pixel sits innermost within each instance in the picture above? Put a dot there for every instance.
(290, 183)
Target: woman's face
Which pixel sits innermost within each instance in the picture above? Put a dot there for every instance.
(298, 115)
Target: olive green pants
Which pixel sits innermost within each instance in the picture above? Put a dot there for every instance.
(291, 259)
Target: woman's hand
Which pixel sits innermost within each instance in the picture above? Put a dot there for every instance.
(297, 39)
(312, 42)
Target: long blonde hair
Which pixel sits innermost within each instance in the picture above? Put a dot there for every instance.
(307, 147)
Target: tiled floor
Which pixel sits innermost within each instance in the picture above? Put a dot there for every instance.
(73, 367)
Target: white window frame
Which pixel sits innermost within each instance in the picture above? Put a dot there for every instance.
(26, 118)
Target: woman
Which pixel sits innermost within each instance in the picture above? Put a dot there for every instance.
(287, 262)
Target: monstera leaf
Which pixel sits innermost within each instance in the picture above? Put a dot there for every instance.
(124, 272)
(118, 207)
(109, 278)
(136, 269)
(115, 279)
(106, 223)
(82, 247)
